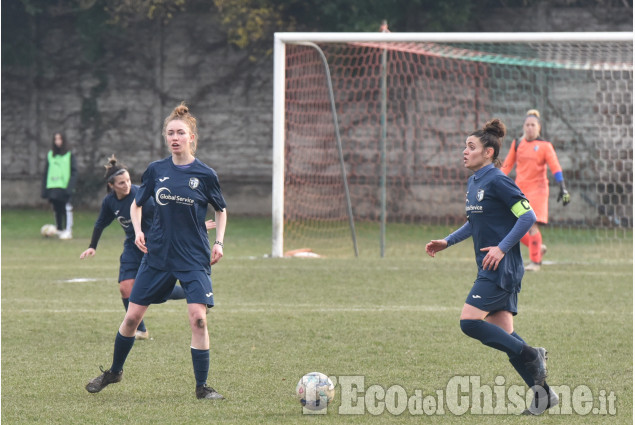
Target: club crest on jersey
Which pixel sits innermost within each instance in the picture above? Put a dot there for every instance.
(480, 195)
(193, 182)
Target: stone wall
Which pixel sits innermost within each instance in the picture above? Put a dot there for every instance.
(116, 103)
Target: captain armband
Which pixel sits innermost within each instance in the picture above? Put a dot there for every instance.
(521, 207)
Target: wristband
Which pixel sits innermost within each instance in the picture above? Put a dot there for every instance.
(219, 243)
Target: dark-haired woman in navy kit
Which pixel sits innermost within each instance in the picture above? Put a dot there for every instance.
(498, 215)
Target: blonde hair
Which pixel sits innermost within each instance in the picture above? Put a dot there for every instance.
(182, 113)
(533, 113)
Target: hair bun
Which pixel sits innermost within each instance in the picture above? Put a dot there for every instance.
(181, 110)
(113, 166)
(495, 127)
(533, 113)
(112, 160)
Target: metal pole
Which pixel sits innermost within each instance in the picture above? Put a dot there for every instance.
(382, 149)
(277, 193)
(349, 208)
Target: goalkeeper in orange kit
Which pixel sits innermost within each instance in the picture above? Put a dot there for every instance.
(532, 155)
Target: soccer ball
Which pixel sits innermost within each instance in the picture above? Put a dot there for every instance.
(48, 230)
(315, 390)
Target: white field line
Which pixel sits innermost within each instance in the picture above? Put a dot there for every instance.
(548, 267)
(304, 308)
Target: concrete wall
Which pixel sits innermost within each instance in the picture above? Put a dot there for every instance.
(116, 104)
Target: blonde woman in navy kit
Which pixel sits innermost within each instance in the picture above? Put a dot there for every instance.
(177, 247)
(498, 215)
(116, 207)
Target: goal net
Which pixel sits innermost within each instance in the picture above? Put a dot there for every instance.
(404, 104)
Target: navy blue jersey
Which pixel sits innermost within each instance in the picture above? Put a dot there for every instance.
(178, 237)
(119, 209)
(489, 199)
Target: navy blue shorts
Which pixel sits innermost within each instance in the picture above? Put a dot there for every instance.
(128, 271)
(129, 262)
(154, 286)
(487, 296)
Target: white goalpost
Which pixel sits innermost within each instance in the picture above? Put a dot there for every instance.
(361, 138)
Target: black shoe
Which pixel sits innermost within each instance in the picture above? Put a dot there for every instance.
(203, 391)
(106, 378)
(538, 367)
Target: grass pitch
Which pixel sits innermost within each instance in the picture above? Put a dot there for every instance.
(392, 321)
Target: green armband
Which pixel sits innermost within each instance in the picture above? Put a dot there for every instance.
(521, 207)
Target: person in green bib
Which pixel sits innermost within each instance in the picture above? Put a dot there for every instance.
(58, 184)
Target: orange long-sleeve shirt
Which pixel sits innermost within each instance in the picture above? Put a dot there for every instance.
(531, 160)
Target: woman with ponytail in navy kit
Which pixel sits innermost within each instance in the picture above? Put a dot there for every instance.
(498, 215)
(177, 247)
(116, 207)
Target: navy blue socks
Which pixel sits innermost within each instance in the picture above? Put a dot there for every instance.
(123, 345)
(200, 361)
(492, 336)
(519, 364)
(518, 351)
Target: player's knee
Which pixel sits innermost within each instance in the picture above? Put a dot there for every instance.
(134, 316)
(199, 323)
(131, 321)
(470, 327)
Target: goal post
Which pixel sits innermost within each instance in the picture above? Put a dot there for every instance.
(440, 86)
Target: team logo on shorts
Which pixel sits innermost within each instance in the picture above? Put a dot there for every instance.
(480, 195)
(193, 182)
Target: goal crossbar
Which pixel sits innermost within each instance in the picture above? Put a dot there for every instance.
(450, 37)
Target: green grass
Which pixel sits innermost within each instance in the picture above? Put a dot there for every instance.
(392, 320)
